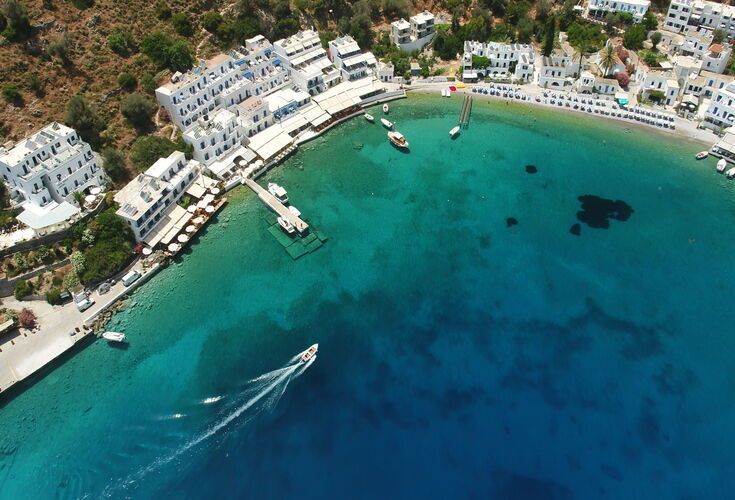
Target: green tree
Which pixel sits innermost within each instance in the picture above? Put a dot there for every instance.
(149, 148)
(138, 109)
(127, 81)
(35, 83)
(649, 21)
(53, 297)
(480, 62)
(148, 83)
(18, 24)
(211, 21)
(23, 289)
(608, 57)
(122, 42)
(634, 37)
(82, 116)
(656, 39)
(163, 11)
(114, 164)
(182, 24)
(82, 4)
(549, 36)
(164, 51)
(718, 35)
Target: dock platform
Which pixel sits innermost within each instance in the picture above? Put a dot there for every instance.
(275, 205)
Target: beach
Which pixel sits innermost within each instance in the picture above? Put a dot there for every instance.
(486, 355)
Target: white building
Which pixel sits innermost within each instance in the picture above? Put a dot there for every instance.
(504, 60)
(721, 111)
(683, 14)
(606, 86)
(214, 137)
(261, 71)
(585, 84)
(44, 170)
(415, 33)
(556, 70)
(350, 59)
(190, 96)
(658, 80)
(145, 200)
(636, 8)
(385, 72)
(253, 115)
(716, 57)
(307, 62)
(714, 82)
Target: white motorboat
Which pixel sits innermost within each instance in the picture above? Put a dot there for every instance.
(702, 155)
(369, 117)
(114, 336)
(721, 165)
(397, 139)
(294, 211)
(278, 191)
(387, 124)
(454, 132)
(286, 225)
(386, 109)
(448, 93)
(730, 173)
(309, 353)
(444, 92)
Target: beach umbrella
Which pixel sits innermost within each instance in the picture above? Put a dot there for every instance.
(198, 220)
(174, 247)
(90, 198)
(190, 228)
(191, 209)
(147, 251)
(182, 238)
(95, 190)
(214, 191)
(209, 209)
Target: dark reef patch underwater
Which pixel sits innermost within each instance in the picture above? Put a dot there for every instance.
(596, 212)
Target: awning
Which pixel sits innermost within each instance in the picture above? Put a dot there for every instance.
(40, 217)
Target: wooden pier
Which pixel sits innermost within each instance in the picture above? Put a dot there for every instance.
(275, 205)
(464, 114)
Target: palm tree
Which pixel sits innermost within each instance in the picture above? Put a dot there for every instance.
(608, 57)
(582, 47)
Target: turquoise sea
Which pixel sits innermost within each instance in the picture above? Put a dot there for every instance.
(459, 357)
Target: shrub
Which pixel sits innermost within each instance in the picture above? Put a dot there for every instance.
(211, 21)
(148, 83)
(35, 83)
(622, 78)
(53, 296)
(82, 116)
(149, 148)
(77, 261)
(182, 24)
(82, 4)
(61, 49)
(26, 318)
(634, 37)
(656, 37)
(163, 11)
(127, 81)
(11, 93)
(167, 52)
(138, 109)
(113, 245)
(18, 24)
(121, 42)
(114, 164)
(23, 289)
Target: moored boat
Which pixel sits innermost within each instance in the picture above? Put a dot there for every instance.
(286, 225)
(369, 117)
(454, 132)
(386, 108)
(114, 336)
(387, 124)
(278, 191)
(309, 353)
(294, 211)
(721, 165)
(397, 139)
(730, 173)
(702, 155)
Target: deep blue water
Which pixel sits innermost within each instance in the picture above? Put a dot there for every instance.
(459, 357)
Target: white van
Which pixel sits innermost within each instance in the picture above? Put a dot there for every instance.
(130, 278)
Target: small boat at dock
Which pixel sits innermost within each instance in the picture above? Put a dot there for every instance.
(397, 139)
(286, 225)
(702, 155)
(369, 117)
(454, 132)
(386, 108)
(278, 191)
(730, 173)
(294, 211)
(387, 124)
(309, 353)
(721, 165)
(114, 336)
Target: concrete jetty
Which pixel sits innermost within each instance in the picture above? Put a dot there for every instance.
(275, 205)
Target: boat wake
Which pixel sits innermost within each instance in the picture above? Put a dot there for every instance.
(261, 393)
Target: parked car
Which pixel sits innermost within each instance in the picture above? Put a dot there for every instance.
(104, 288)
(130, 278)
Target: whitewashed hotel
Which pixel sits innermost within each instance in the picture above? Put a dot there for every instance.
(44, 170)
(307, 62)
(415, 33)
(683, 14)
(636, 8)
(145, 201)
(350, 59)
(557, 70)
(214, 137)
(721, 111)
(658, 80)
(505, 61)
(260, 70)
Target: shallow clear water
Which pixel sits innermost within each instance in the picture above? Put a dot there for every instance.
(458, 357)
